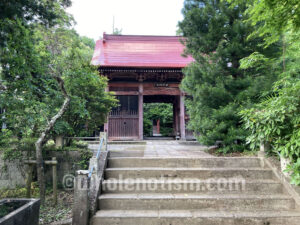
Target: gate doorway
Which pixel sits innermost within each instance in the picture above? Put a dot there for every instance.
(166, 115)
(158, 120)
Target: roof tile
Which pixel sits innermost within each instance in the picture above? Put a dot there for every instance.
(140, 51)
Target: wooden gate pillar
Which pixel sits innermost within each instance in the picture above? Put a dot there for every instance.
(107, 118)
(174, 123)
(182, 116)
(141, 102)
(176, 116)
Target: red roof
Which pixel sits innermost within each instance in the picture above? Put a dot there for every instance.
(140, 51)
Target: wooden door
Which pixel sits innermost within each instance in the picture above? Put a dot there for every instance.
(124, 120)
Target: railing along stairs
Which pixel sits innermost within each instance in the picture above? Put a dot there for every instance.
(87, 185)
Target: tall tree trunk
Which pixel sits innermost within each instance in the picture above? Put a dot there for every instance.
(43, 137)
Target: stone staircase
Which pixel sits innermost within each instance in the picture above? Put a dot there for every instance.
(193, 190)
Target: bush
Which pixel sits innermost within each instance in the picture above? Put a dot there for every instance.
(295, 170)
(79, 144)
(277, 121)
(5, 137)
(13, 148)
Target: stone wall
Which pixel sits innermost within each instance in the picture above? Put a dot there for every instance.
(13, 174)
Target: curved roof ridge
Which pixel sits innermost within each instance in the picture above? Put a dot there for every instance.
(141, 37)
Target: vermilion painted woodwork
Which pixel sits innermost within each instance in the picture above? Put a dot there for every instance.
(141, 111)
(182, 120)
(126, 92)
(148, 67)
(149, 89)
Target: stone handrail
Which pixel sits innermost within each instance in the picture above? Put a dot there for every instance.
(87, 185)
(279, 172)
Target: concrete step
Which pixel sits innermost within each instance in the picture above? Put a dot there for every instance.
(159, 137)
(195, 217)
(126, 142)
(232, 186)
(201, 173)
(178, 162)
(165, 201)
(127, 153)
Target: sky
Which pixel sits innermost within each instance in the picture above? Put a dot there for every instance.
(139, 17)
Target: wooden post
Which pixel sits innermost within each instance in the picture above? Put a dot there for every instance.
(29, 180)
(107, 118)
(141, 102)
(174, 120)
(182, 117)
(176, 116)
(54, 179)
(106, 125)
(30, 164)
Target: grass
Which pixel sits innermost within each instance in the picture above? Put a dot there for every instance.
(219, 153)
(62, 211)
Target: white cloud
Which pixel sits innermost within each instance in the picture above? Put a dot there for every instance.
(144, 17)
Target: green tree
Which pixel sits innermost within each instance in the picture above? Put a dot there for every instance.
(22, 77)
(39, 64)
(273, 17)
(216, 36)
(276, 118)
(161, 111)
(89, 103)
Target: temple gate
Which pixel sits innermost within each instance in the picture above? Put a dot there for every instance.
(141, 69)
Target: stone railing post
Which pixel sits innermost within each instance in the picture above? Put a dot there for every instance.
(59, 141)
(104, 144)
(284, 162)
(81, 198)
(264, 146)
